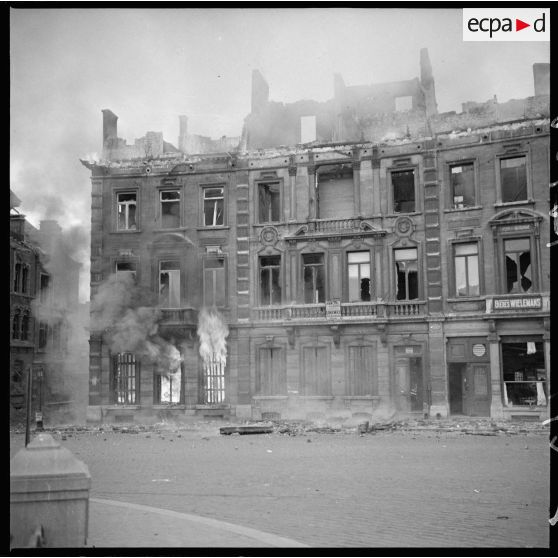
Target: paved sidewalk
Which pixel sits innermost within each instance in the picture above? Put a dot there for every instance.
(115, 524)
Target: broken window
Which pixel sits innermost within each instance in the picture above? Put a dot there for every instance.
(334, 191)
(462, 183)
(272, 374)
(270, 285)
(169, 284)
(214, 381)
(313, 278)
(44, 288)
(214, 287)
(126, 270)
(403, 183)
(362, 376)
(307, 129)
(315, 378)
(524, 372)
(16, 324)
(168, 387)
(269, 203)
(517, 256)
(170, 209)
(359, 276)
(513, 179)
(406, 268)
(125, 379)
(126, 211)
(25, 322)
(213, 199)
(466, 258)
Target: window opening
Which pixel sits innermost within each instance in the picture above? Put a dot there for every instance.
(359, 276)
(403, 183)
(24, 279)
(214, 381)
(43, 335)
(169, 284)
(335, 191)
(524, 373)
(406, 267)
(462, 180)
(44, 286)
(214, 287)
(17, 277)
(170, 209)
(126, 269)
(466, 258)
(269, 203)
(125, 378)
(513, 178)
(25, 321)
(270, 285)
(126, 211)
(517, 256)
(313, 277)
(16, 324)
(213, 206)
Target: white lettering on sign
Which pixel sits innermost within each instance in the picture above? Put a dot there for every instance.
(333, 309)
(513, 303)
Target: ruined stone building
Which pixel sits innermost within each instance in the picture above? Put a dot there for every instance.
(42, 297)
(367, 255)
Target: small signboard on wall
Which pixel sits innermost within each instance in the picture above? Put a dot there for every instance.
(524, 303)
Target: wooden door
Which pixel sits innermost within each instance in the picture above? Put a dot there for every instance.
(476, 390)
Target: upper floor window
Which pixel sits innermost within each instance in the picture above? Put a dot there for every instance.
(313, 278)
(406, 269)
(25, 323)
(518, 269)
(358, 264)
(462, 184)
(466, 259)
(403, 185)
(44, 288)
(269, 203)
(126, 202)
(513, 179)
(169, 284)
(16, 324)
(213, 207)
(126, 269)
(21, 278)
(214, 285)
(270, 282)
(335, 191)
(170, 209)
(43, 335)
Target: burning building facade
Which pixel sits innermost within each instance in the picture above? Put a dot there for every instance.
(389, 261)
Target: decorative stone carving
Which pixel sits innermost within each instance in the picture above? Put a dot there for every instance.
(404, 226)
(269, 236)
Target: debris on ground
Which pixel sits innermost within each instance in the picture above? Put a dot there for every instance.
(253, 429)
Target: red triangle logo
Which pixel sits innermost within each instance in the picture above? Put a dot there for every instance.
(519, 25)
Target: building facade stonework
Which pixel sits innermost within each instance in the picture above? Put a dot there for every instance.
(394, 277)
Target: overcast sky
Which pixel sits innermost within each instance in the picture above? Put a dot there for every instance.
(150, 65)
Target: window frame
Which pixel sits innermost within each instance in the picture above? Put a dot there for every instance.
(114, 396)
(420, 281)
(266, 182)
(211, 258)
(450, 205)
(169, 259)
(452, 290)
(529, 187)
(325, 275)
(210, 186)
(117, 193)
(416, 179)
(127, 262)
(532, 263)
(261, 302)
(352, 250)
(162, 191)
(157, 381)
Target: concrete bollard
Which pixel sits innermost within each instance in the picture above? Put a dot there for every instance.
(49, 488)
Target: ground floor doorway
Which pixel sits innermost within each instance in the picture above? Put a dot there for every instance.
(409, 382)
(468, 386)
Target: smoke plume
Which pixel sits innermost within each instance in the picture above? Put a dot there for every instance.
(213, 333)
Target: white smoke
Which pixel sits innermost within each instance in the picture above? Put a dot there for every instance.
(213, 333)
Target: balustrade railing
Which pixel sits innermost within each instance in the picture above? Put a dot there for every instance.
(334, 225)
(404, 308)
(358, 309)
(179, 315)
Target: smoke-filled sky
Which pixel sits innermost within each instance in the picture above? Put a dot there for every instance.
(150, 65)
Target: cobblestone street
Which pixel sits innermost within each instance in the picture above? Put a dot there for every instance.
(402, 488)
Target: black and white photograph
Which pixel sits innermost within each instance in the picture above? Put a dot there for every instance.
(280, 277)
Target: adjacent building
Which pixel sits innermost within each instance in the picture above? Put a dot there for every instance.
(44, 283)
(388, 261)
